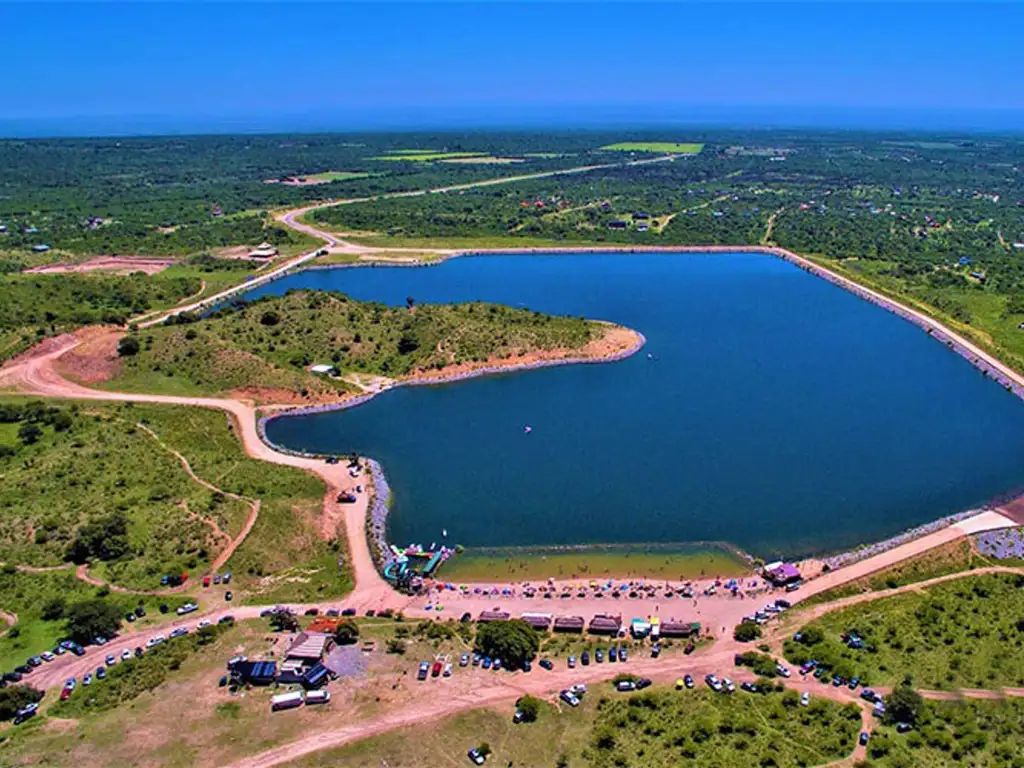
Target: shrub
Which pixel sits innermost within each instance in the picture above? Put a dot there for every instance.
(530, 708)
(746, 632)
(512, 641)
(128, 346)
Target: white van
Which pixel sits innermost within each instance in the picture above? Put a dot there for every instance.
(317, 697)
(286, 701)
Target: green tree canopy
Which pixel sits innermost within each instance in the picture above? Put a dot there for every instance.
(92, 618)
(513, 641)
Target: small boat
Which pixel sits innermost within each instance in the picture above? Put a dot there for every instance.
(527, 429)
(444, 532)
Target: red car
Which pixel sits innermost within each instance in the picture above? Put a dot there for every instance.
(65, 693)
(436, 669)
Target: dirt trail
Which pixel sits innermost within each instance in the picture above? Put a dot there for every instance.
(254, 504)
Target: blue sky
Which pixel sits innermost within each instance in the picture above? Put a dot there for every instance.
(444, 62)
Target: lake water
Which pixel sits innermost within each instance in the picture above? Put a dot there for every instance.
(782, 414)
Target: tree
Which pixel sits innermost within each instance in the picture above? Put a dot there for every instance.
(105, 538)
(282, 619)
(903, 705)
(529, 707)
(270, 318)
(29, 433)
(746, 632)
(513, 641)
(92, 618)
(128, 346)
(53, 609)
(17, 697)
(410, 302)
(347, 632)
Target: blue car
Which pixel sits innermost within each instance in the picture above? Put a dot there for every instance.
(486, 662)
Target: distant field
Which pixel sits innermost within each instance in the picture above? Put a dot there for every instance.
(327, 176)
(484, 160)
(655, 146)
(426, 156)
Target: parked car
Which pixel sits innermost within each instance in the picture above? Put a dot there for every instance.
(569, 698)
(447, 670)
(688, 681)
(129, 617)
(642, 683)
(140, 611)
(87, 680)
(101, 673)
(749, 687)
(348, 612)
(854, 682)
(312, 612)
(466, 617)
(613, 655)
(730, 687)
(585, 658)
(527, 666)
(497, 665)
(805, 699)
(35, 661)
(47, 656)
(65, 693)
(714, 683)
(572, 662)
(126, 654)
(436, 669)
(464, 660)
(655, 651)
(625, 686)
(477, 658)
(226, 619)
(781, 671)
(546, 663)
(71, 683)
(599, 656)
(476, 756)
(864, 738)
(423, 671)
(111, 660)
(138, 651)
(228, 596)
(332, 612)
(623, 654)
(486, 663)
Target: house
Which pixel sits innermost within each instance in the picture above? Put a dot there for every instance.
(1018, 246)
(263, 251)
(309, 647)
(780, 573)
(673, 628)
(323, 625)
(315, 676)
(641, 216)
(569, 624)
(324, 370)
(3, 229)
(486, 616)
(641, 227)
(603, 624)
(979, 276)
(40, 248)
(539, 621)
(617, 224)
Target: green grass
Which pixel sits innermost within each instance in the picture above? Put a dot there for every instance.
(672, 147)
(654, 728)
(591, 563)
(965, 633)
(101, 465)
(951, 734)
(104, 463)
(471, 243)
(24, 594)
(272, 342)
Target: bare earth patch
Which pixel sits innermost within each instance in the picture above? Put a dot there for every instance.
(95, 358)
(282, 396)
(120, 265)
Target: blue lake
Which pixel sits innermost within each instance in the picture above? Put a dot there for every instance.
(782, 414)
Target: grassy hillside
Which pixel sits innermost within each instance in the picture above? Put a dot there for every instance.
(270, 343)
(965, 633)
(96, 485)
